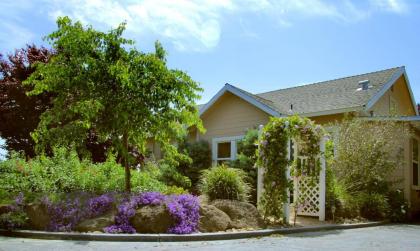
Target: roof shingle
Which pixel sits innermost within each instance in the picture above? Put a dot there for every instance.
(327, 95)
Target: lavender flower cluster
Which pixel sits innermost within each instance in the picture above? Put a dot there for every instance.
(65, 215)
(183, 208)
(99, 205)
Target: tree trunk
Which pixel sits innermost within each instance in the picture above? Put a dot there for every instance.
(126, 165)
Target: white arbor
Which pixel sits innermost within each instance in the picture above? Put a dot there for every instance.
(308, 197)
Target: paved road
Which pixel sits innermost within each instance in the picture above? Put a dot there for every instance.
(390, 237)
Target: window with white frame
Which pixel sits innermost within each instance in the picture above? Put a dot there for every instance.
(415, 161)
(224, 149)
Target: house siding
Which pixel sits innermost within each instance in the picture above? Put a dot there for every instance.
(231, 116)
(400, 95)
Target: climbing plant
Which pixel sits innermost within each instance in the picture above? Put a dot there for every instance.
(272, 155)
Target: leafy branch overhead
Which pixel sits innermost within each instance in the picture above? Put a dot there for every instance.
(102, 82)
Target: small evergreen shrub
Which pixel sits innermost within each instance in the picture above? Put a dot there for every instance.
(223, 182)
(398, 206)
(373, 206)
(200, 159)
(246, 159)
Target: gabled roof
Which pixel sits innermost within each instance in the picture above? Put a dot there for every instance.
(322, 98)
(259, 102)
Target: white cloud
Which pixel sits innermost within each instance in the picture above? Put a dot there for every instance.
(396, 6)
(13, 34)
(197, 24)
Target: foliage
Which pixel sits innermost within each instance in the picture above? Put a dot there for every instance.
(373, 206)
(246, 160)
(64, 172)
(366, 157)
(170, 175)
(19, 114)
(367, 154)
(272, 156)
(199, 153)
(103, 83)
(398, 206)
(222, 182)
(16, 216)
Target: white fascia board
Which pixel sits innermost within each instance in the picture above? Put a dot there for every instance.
(331, 112)
(392, 118)
(413, 101)
(372, 101)
(243, 96)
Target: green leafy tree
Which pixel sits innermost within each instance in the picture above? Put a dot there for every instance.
(103, 82)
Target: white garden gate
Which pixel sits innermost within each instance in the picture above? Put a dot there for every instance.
(310, 195)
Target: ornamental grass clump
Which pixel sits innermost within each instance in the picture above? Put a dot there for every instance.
(223, 182)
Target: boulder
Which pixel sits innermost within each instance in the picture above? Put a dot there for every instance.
(96, 224)
(38, 217)
(152, 219)
(241, 214)
(212, 219)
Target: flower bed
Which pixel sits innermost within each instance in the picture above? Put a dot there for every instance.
(66, 214)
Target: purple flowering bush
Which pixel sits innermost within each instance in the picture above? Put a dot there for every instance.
(183, 208)
(15, 217)
(99, 205)
(64, 215)
(66, 212)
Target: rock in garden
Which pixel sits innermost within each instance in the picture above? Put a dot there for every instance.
(96, 224)
(212, 219)
(38, 216)
(152, 219)
(242, 214)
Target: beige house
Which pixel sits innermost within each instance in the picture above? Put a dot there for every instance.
(232, 111)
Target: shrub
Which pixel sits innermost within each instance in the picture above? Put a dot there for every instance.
(99, 205)
(367, 154)
(170, 175)
(183, 208)
(222, 182)
(373, 206)
(246, 159)
(398, 206)
(15, 217)
(200, 159)
(64, 172)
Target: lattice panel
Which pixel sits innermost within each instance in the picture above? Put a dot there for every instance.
(308, 196)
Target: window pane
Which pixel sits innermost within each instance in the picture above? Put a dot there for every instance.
(223, 150)
(415, 174)
(415, 150)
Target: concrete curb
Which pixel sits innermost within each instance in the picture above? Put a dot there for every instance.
(175, 237)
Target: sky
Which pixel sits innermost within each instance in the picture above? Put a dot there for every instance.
(256, 45)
